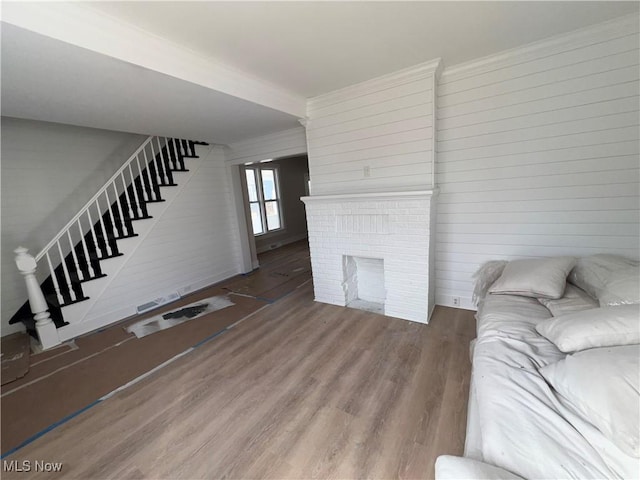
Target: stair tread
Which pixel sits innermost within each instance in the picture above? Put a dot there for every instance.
(126, 236)
(110, 256)
(92, 278)
(66, 304)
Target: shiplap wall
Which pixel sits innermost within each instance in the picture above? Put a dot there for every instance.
(374, 136)
(49, 171)
(538, 154)
(277, 145)
(194, 244)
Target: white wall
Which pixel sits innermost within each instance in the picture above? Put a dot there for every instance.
(375, 136)
(194, 244)
(538, 154)
(49, 171)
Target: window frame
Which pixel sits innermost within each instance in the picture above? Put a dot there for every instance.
(261, 202)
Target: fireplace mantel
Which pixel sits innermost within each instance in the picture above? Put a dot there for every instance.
(403, 195)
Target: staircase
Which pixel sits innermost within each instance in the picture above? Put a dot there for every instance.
(80, 259)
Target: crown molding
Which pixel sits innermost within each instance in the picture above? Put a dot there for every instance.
(618, 27)
(422, 71)
(73, 23)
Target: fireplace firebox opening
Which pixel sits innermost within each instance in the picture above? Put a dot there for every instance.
(363, 284)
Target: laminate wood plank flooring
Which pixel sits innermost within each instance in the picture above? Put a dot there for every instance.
(298, 390)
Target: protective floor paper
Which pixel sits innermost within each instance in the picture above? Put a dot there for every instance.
(14, 356)
(176, 317)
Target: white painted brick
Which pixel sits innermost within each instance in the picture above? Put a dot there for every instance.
(396, 231)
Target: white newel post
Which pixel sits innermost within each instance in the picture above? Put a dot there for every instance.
(47, 331)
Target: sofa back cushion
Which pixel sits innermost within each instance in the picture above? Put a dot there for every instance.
(573, 300)
(612, 279)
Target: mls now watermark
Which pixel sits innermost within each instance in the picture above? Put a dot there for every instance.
(31, 466)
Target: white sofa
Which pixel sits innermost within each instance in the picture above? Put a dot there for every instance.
(518, 425)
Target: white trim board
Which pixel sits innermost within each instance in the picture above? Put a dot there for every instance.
(405, 195)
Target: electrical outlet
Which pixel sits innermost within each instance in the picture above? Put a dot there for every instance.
(456, 301)
(367, 171)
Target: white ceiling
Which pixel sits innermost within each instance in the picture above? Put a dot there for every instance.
(52, 81)
(312, 48)
(296, 49)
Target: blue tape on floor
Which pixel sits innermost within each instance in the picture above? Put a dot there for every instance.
(93, 404)
(49, 428)
(211, 337)
(266, 300)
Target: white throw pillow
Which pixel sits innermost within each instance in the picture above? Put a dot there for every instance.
(538, 277)
(597, 327)
(592, 273)
(449, 467)
(573, 300)
(602, 384)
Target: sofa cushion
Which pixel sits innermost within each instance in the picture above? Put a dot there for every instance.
(612, 403)
(598, 327)
(539, 277)
(573, 300)
(621, 288)
(593, 273)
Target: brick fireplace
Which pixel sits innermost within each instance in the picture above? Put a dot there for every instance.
(374, 238)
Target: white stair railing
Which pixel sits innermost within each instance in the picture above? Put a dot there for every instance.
(106, 200)
(103, 219)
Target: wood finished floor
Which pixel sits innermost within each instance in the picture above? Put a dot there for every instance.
(298, 390)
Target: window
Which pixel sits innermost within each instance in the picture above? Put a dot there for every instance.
(264, 199)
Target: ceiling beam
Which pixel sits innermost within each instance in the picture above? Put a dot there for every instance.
(78, 25)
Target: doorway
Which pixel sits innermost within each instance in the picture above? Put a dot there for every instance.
(271, 191)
